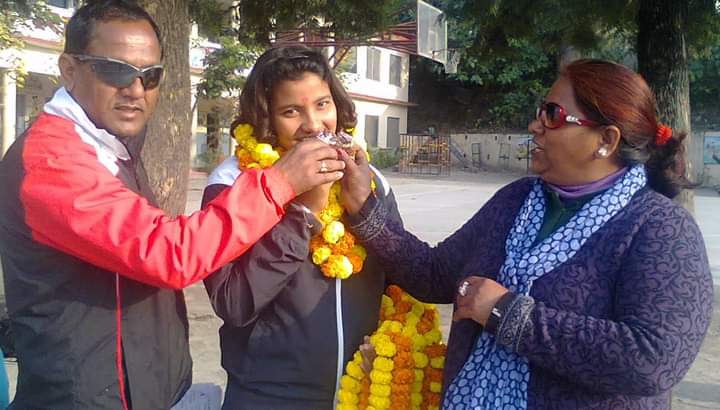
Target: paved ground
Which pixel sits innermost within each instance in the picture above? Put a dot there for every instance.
(433, 208)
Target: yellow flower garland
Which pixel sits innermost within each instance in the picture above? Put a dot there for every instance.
(407, 372)
(334, 250)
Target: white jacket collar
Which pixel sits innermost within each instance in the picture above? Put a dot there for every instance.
(64, 105)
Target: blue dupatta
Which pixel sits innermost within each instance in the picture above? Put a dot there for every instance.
(495, 377)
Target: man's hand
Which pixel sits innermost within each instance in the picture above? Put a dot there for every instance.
(309, 164)
(476, 298)
(356, 183)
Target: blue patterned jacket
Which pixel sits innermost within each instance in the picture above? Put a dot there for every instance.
(615, 327)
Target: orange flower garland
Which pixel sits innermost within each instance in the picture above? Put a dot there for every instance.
(334, 250)
(407, 372)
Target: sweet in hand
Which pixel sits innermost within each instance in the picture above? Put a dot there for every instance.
(341, 140)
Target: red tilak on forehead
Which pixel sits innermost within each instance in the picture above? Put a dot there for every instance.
(304, 100)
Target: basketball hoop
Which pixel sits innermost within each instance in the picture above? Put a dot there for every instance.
(453, 60)
(431, 32)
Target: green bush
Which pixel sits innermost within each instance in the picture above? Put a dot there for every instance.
(382, 158)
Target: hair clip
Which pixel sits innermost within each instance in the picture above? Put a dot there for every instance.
(663, 134)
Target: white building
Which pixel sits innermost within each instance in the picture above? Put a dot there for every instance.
(376, 78)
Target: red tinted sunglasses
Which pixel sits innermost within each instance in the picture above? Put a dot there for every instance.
(553, 116)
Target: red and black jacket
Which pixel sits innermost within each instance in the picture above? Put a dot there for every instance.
(93, 269)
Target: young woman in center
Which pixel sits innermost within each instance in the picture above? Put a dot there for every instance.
(289, 330)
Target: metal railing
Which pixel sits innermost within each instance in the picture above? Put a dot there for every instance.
(424, 154)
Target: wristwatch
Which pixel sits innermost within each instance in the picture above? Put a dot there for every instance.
(498, 311)
(495, 313)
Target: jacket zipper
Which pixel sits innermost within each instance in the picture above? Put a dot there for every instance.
(340, 336)
(118, 343)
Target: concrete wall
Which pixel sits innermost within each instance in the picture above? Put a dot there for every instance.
(705, 153)
(496, 151)
(501, 151)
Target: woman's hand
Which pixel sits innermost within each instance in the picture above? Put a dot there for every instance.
(356, 182)
(476, 298)
(315, 199)
(368, 354)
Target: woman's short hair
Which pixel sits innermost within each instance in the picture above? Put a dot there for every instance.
(282, 64)
(612, 94)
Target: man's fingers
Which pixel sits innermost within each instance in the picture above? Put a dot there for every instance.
(325, 152)
(327, 177)
(318, 147)
(311, 144)
(330, 165)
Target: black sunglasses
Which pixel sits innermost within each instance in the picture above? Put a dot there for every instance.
(120, 74)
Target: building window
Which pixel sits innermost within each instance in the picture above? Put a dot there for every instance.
(393, 132)
(396, 70)
(66, 4)
(373, 64)
(372, 123)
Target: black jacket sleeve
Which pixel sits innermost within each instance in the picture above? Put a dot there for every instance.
(241, 289)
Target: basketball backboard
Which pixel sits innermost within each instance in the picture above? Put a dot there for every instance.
(431, 33)
(426, 37)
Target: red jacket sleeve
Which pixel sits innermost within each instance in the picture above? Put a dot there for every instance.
(76, 205)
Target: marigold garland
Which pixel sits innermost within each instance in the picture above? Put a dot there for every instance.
(334, 250)
(407, 372)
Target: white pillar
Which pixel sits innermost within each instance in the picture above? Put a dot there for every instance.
(9, 90)
(194, 122)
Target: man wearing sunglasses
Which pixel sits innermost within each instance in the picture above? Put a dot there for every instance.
(93, 269)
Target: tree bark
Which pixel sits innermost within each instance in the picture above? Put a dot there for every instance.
(663, 61)
(166, 153)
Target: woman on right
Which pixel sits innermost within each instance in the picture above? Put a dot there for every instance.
(584, 287)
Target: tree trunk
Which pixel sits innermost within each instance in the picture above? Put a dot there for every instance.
(663, 61)
(167, 147)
